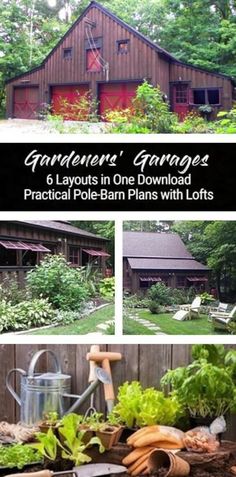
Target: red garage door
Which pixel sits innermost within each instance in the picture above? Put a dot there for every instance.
(26, 102)
(116, 96)
(69, 101)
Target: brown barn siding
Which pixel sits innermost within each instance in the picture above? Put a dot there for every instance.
(135, 365)
(143, 61)
(203, 79)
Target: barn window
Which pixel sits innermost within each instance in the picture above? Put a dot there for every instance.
(74, 255)
(93, 60)
(213, 96)
(122, 47)
(199, 96)
(206, 96)
(67, 53)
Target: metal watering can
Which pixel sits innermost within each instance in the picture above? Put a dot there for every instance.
(41, 394)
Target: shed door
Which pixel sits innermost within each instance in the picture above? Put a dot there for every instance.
(26, 102)
(116, 96)
(181, 99)
(69, 101)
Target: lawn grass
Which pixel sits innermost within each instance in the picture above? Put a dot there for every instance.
(83, 326)
(132, 327)
(196, 326)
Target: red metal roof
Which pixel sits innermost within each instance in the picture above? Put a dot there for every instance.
(96, 253)
(24, 246)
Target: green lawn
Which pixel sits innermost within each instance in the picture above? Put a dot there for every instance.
(197, 326)
(83, 326)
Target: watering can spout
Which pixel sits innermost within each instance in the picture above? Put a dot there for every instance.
(101, 377)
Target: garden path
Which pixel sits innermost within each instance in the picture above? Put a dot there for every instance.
(148, 324)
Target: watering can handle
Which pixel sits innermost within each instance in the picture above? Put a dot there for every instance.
(36, 358)
(9, 386)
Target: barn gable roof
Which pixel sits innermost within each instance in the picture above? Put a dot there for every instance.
(62, 227)
(153, 244)
(161, 51)
(158, 251)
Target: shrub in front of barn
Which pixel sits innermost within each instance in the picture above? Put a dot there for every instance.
(54, 279)
(149, 113)
(159, 295)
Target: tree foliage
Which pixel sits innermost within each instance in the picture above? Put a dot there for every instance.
(213, 243)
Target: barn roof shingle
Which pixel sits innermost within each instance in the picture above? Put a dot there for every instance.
(60, 226)
(151, 244)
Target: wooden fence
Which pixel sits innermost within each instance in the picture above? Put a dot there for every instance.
(146, 363)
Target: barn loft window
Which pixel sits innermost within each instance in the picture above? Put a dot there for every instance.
(93, 63)
(206, 96)
(122, 47)
(93, 49)
(67, 53)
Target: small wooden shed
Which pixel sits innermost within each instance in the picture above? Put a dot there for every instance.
(24, 243)
(150, 258)
(103, 55)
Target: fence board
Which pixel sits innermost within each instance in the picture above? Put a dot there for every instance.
(7, 362)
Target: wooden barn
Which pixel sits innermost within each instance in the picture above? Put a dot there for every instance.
(150, 258)
(24, 243)
(103, 55)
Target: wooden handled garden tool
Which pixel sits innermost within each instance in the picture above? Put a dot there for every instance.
(105, 357)
(88, 470)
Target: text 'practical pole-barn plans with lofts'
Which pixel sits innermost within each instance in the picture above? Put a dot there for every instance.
(103, 56)
(24, 243)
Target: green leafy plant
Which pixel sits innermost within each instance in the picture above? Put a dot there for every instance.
(206, 387)
(161, 294)
(154, 307)
(141, 407)
(206, 298)
(26, 314)
(107, 288)
(194, 123)
(18, 455)
(68, 443)
(54, 279)
(226, 123)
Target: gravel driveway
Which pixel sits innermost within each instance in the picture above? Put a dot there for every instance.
(10, 127)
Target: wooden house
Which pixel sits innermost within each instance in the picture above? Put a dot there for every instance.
(103, 55)
(150, 258)
(24, 243)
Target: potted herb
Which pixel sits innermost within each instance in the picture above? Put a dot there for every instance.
(50, 420)
(107, 431)
(66, 449)
(205, 388)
